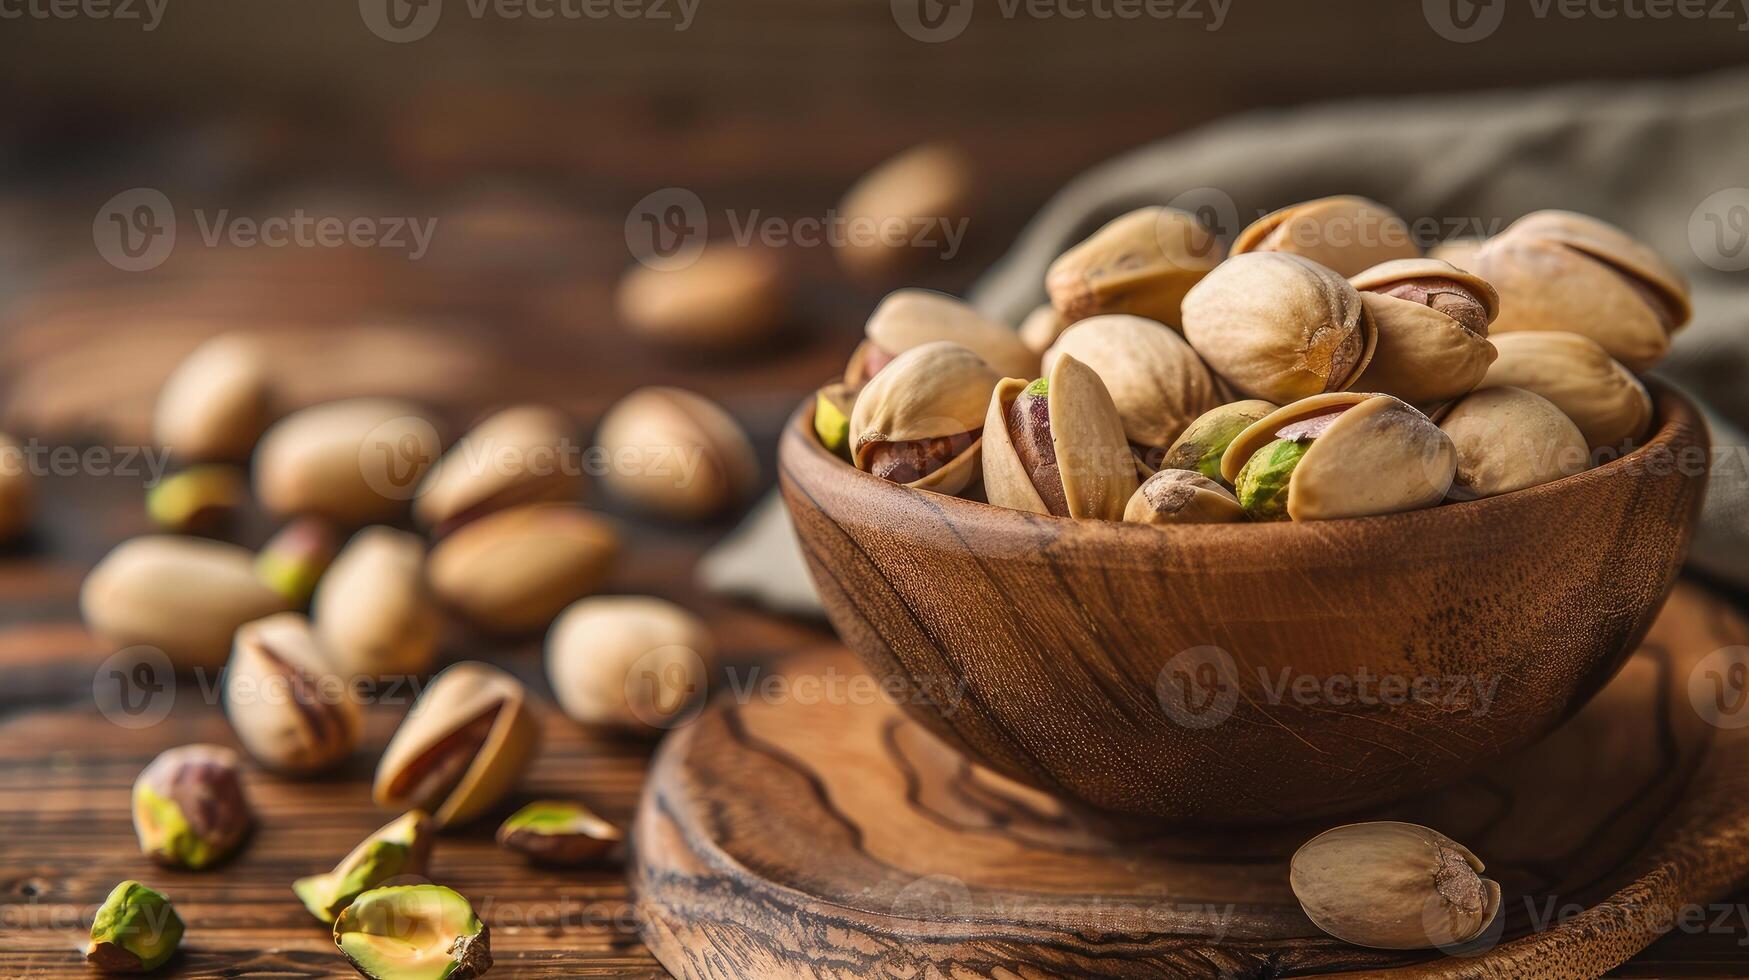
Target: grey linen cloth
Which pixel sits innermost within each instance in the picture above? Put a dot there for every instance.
(1663, 160)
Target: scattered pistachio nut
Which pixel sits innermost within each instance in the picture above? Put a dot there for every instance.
(1280, 327)
(400, 847)
(184, 596)
(189, 807)
(295, 558)
(920, 421)
(289, 708)
(1390, 885)
(677, 455)
(926, 186)
(909, 318)
(216, 403)
(353, 462)
(1042, 327)
(414, 932)
(514, 570)
(1142, 263)
(1056, 446)
(637, 663)
(520, 455)
(1205, 441)
(374, 612)
(1182, 497)
(17, 493)
(1432, 321)
(1602, 397)
(200, 498)
(462, 747)
(729, 297)
(1346, 234)
(558, 832)
(136, 930)
(1511, 439)
(832, 406)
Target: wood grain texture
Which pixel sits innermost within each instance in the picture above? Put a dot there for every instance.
(792, 836)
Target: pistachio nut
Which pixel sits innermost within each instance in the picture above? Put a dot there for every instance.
(1433, 321)
(189, 807)
(1345, 234)
(373, 610)
(1182, 497)
(909, 318)
(1510, 439)
(17, 495)
(136, 930)
(1140, 263)
(558, 832)
(1460, 253)
(413, 932)
(515, 456)
(1157, 382)
(1602, 397)
(923, 187)
(400, 847)
(1344, 454)
(295, 558)
(514, 570)
(216, 403)
(637, 663)
(920, 421)
(1391, 885)
(677, 455)
(184, 596)
(289, 708)
(200, 498)
(352, 462)
(1057, 446)
(728, 297)
(832, 407)
(1556, 270)
(462, 747)
(1205, 440)
(1280, 327)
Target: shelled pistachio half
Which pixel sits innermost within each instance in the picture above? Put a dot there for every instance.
(1511, 439)
(1205, 441)
(462, 747)
(920, 421)
(558, 832)
(1602, 397)
(513, 571)
(1182, 497)
(909, 318)
(374, 612)
(519, 455)
(414, 932)
(289, 708)
(400, 847)
(1345, 233)
(1391, 885)
(1432, 321)
(136, 930)
(189, 807)
(1142, 263)
(1056, 446)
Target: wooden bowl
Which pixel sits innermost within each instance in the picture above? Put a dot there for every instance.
(1253, 673)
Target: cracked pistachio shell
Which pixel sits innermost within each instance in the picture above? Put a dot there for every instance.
(1602, 397)
(373, 611)
(1042, 327)
(1426, 355)
(289, 708)
(1141, 263)
(520, 455)
(1157, 381)
(1556, 270)
(514, 570)
(353, 462)
(1279, 327)
(189, 807)
(1090, 457)
(185, 596)
(1182, 497)
(17, 492)
(462, 747)
(924, 186)
(676, 455)
(136, 930)
(400, 847)
(1510, 439)
(216, 403)
(1368, 454)
(1390, 885)
(558, 832)
(636, 663)
(1205, 440)
(909, 318)
(1346, 234)
(934, 392)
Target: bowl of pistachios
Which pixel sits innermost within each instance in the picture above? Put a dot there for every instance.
(1264, 537)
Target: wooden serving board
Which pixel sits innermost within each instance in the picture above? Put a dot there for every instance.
(798, 832)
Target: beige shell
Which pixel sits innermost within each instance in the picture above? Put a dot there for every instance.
(1279, 327)
(513, 571)
(1158, 383)
(373, 612)
(1510, 439)
(914, 191)
(909, 318)
(17, 489)
(289, 708)
(216, 403)
(462, 748)
(353, 462)
(929, 392)
(1345, 234)
(521, 455)
(1556, 270)
(1423, 356)
(1093, 457)
(1381, 456)
(1602, 397)
(1042, 327)
(729, 297)
(1460, 253)
(1391, 885)
(1182, 497)
(1142, 263)
(631, 662)
(674, 454)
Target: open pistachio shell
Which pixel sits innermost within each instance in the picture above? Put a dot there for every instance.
(289, 708)
(516, 456)
(1602, 397)
(464, 745)
(1432, 321)
(1182, 497)
(1347, 234)
(1510, 439)
(909, 318)
(400, 847)
(1142, 262)
(1205, 441)
(931, 397)
(1391, 885)
(1090, 458)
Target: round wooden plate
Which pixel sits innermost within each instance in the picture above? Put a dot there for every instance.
(805, 827)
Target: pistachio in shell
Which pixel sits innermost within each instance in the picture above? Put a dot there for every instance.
(1602, 397)
(1280, 327)
(1457, 252)
(463, 746)
(1432, 321)
(1346, 234)
(920, 421)
(400, 847)
(513, 571)
(296, 557)
(1142, 263)
(199, 499)
(1391, 885)
(216, 403)
(636, 663)
(676, 455)
(1205, 440)
(909, 318)
(922, 187)
(1510, 439)
(289, 708)
(136, 930)
(519, 455)
(558, 832)
(1182, 497)
(373, 611)
(1042, 327)
(730, 297)
(353, 462)
(413, 932)
(832, 407)
(17, 492)
(189, 807)
(1560, 271)
(1056, 446)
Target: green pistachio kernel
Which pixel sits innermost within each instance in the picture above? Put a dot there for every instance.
(1263, 484)
(135, 931)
